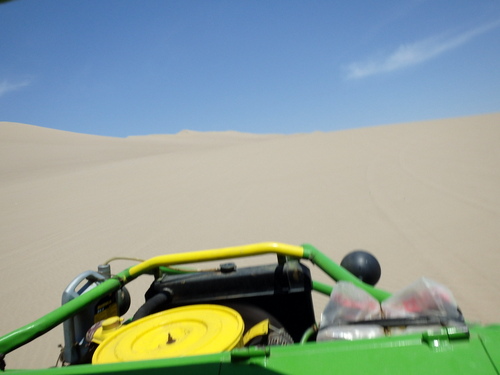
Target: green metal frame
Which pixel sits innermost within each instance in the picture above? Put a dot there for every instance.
(444, 352)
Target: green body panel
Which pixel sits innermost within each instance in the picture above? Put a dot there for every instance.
(409, 354)
(393, 355)
(201, 365)
(490, 337)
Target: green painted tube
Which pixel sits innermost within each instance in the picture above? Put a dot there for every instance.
(308, 333)
(29, 332)
(322, 287)
(338, 273)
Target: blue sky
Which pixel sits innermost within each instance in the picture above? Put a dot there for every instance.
(124, 67)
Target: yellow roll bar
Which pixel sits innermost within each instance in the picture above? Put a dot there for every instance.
(215, 254)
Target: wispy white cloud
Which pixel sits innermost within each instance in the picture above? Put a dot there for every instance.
(414, 53)
(6, 86)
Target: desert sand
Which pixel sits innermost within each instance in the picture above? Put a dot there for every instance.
(423, 197)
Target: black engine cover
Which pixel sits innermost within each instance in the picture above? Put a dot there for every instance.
(282, 290)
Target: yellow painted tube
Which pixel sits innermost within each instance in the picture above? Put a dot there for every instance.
(215, 254)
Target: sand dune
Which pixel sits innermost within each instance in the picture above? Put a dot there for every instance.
(423, 197)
